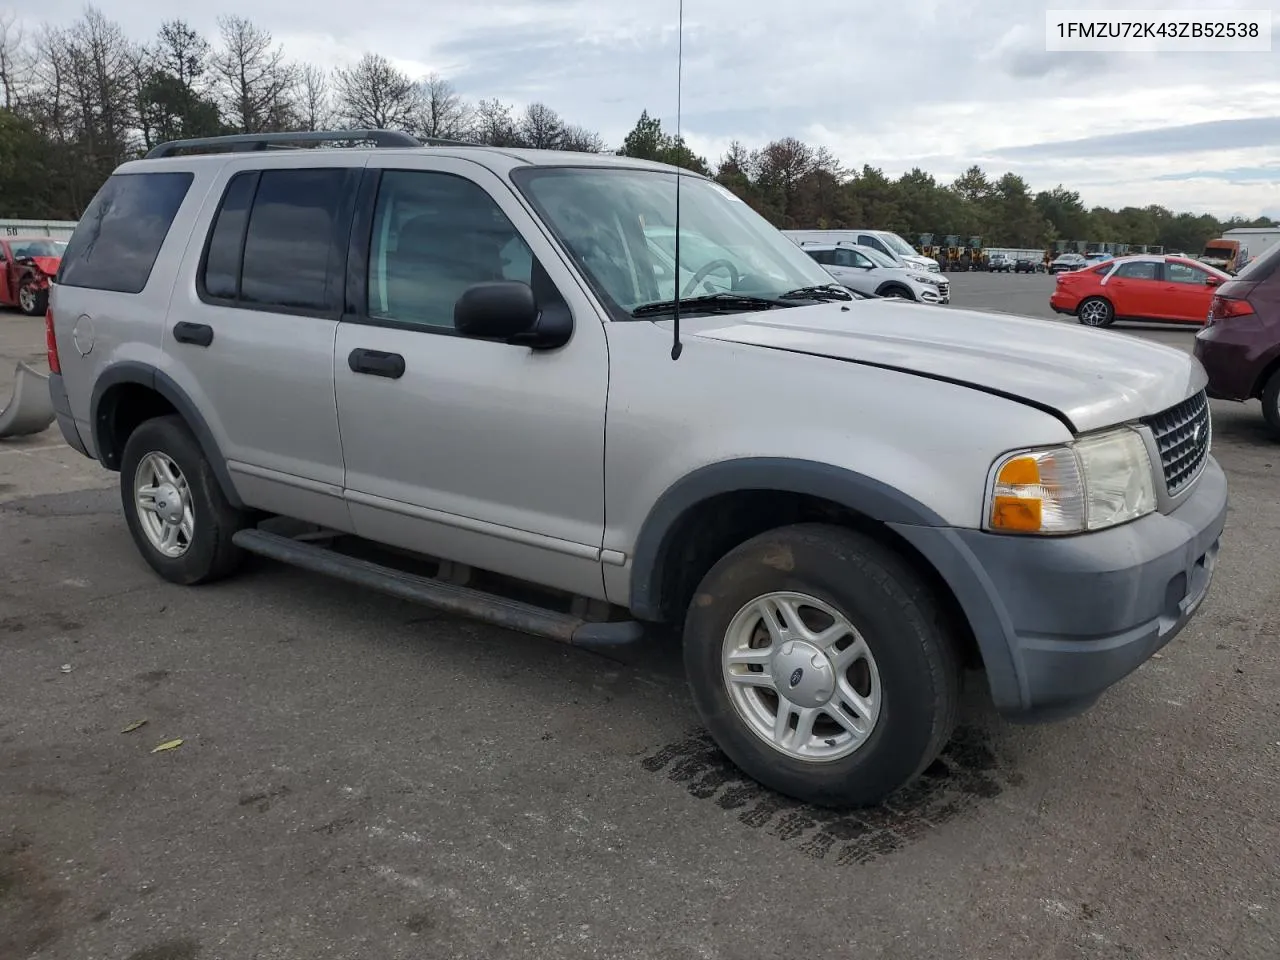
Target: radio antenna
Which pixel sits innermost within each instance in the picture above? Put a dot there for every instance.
(676, 345)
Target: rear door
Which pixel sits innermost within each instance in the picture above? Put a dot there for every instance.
(251, 330)
(1186, 292)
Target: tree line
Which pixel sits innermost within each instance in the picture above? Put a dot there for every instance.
(87, 97)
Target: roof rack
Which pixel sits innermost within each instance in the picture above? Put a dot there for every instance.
(245, 142)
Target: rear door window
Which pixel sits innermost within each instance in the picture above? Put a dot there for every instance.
(278, 241)
(115, 244)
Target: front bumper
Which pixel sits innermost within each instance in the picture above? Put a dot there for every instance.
(1061, 619)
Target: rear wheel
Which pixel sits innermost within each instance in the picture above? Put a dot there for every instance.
(1096, 312)
(180, 520)
(821, 665)
(1271, 403)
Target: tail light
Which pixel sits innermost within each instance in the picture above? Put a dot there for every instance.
(1222, 308)
(51, 343)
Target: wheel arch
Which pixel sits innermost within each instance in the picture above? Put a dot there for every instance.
(136, 391)
(1269, 369)
(889, 287)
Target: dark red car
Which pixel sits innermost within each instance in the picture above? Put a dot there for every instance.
(27, 264)
(1240, 343)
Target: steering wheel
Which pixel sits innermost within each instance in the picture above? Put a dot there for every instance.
(705, 270)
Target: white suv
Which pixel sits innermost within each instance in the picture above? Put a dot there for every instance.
(469, 354)
(871, 272)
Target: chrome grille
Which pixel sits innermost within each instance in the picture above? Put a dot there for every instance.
(1183, 434)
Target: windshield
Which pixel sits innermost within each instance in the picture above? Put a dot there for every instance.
(1218, 253)
(37, 248)
(880, 259)
(898, 245)
(611, 220)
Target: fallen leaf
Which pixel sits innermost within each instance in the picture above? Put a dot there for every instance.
(168, 745)
(133, 726)
(1157, 656)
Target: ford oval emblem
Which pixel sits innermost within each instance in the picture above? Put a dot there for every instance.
(796, 674)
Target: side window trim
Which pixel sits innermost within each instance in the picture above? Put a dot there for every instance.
(355, 305)
(336, 279)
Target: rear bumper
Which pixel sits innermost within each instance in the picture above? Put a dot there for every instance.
(62, 411)
(1059, 620)
(1230, 356)
(1063, 305)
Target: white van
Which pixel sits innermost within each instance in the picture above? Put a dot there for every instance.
(885, 241)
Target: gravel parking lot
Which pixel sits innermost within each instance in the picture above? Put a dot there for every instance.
(362, 778)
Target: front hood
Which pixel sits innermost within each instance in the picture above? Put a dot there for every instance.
(1093, 378)
(47, 265)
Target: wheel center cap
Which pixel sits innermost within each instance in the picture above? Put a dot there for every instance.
(169, 503)
(803, 674)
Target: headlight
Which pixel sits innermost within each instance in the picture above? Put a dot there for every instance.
(923, 279)
(1092, 483)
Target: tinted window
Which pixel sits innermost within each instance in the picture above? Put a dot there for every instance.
(435, 235)
(116, 242)
(867, 240)
(822, 256)
(1182, 273)
(222, 260)
(1141, 270)
(294, 238)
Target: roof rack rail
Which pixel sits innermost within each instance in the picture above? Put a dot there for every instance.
(244, 142)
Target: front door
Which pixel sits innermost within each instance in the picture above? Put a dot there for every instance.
(475, 451)
(1187, 293)
(1134, 289)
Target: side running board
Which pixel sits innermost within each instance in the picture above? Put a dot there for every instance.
(464, 601)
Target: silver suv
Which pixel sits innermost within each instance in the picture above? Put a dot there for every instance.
(470, 356)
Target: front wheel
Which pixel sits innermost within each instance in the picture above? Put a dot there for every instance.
(820, 663)
(895, 291)
(33, 300)
(180, 520)
(1096, 312)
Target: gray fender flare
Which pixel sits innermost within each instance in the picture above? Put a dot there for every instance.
(921, 527)
(131, 371)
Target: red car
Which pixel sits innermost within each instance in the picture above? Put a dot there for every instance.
(1145, 288)
(27, 264)
(1240, 345)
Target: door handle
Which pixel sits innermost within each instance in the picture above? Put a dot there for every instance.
(201, 334)
(376, 363)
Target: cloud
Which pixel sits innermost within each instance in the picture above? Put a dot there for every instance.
(1160, 141)
(896, 85)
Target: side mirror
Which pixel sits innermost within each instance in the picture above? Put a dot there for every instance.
(1212, 281)
(506, 310)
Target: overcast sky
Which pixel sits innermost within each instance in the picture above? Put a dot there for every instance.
(936, 83)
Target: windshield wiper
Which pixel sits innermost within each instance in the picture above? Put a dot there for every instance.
(711, 303)
(823, 292)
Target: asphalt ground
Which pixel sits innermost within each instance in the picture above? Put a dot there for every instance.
(363, 778)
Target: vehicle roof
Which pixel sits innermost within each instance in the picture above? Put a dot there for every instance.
(1166, 258)
(498, 159)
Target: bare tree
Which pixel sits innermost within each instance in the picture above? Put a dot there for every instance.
(581, 140)
(254, 81)
(15, 64)
(314, 110)
(494, 126)
(541, 127)
(181, 52)
(374, 94)
(173, 86)
(441, 112)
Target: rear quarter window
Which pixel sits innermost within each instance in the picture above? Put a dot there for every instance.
(115, 244)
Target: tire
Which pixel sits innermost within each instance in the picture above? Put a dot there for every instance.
(911, 652)
(33, 303)
(1096, 312)
(206, 552)
(895, 290)
(1271, 403)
